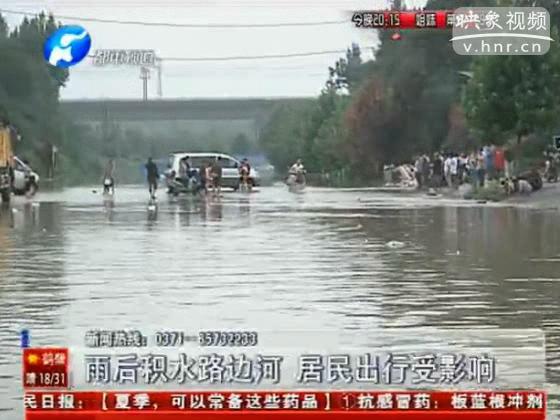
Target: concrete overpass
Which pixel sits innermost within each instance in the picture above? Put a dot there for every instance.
(168, 114)
(255, 109)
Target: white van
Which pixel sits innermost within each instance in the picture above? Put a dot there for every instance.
(230, 169)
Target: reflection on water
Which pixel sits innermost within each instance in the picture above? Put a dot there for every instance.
(272, 260)
(32, 290)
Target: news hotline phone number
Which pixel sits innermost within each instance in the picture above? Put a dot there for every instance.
(207, 339)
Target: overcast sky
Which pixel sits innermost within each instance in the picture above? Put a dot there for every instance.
(301, 76)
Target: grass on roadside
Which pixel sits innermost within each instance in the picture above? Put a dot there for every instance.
(492, 191)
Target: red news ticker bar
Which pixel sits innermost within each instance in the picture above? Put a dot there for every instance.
(413, 19)
(259, 415)
(522, 405)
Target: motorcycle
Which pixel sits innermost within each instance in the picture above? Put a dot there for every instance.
(296, 182)
(192, 184)
(108, 187)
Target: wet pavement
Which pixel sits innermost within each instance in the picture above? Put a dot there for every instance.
(336, 260)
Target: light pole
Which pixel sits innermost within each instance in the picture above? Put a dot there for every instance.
(159, 71)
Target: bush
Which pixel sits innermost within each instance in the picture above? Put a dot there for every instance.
(493, 191)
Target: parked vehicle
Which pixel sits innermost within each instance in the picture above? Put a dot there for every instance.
(26, 181)
(230, 171)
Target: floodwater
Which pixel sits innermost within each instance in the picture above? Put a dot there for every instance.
(336, 260)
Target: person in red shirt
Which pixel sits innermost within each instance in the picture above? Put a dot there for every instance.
(499, 161)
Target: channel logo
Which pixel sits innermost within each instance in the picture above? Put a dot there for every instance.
(67, 46)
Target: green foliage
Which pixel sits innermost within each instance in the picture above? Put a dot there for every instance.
(29, 88)
(3, 28)
(514, 95)
(327, 152)
(553, 7)
(493, 191)
(284, 137)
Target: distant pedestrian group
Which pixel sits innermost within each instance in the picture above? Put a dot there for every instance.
(453, 169)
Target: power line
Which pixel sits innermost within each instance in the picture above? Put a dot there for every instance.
(252, 57)
(215, 4)
(196, 70)
(185, 25)
(257, 57)
(174, 74)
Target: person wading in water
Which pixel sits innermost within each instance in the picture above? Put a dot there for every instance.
(152, 175)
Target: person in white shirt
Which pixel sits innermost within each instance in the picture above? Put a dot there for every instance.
(453, 170)
(297, 167)
(447, 170)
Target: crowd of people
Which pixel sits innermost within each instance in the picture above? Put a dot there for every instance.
(453, 169)
(489, 163)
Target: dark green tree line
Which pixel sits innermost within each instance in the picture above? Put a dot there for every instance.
(29, 88)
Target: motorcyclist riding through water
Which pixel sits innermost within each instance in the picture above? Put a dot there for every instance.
(296, 175)
(109, 178)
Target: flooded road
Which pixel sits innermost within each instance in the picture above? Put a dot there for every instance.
(336, 260)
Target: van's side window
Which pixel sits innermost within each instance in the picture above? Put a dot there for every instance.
(197, 162)
(227, 163)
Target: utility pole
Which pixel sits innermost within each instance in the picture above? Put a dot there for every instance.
(159, 86)
(145, 75)
(105, 129)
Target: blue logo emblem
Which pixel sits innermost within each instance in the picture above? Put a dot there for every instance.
(67, 46)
